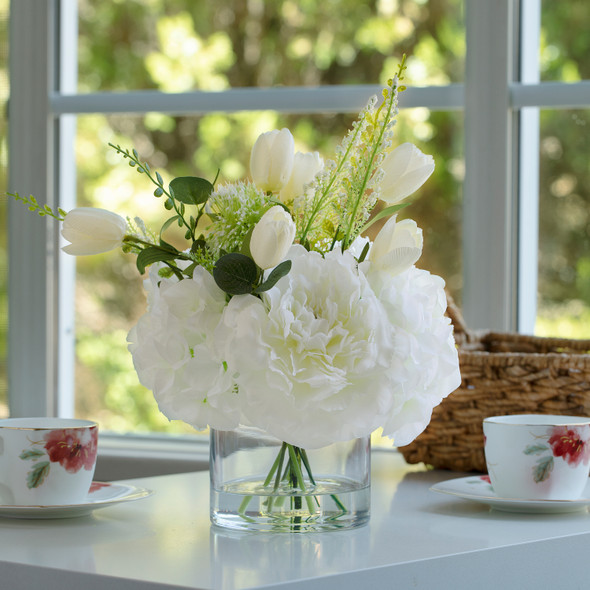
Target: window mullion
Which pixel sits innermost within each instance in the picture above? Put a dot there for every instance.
(65, 187)
(528, 174)
(32, 285)
(489, 228)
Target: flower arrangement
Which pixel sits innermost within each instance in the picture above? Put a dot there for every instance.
(279, 314)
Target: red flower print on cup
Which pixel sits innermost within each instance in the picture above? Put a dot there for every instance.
(567, 443)
(72, 448)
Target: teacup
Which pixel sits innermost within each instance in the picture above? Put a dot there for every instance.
(538, 457)
(46, 461)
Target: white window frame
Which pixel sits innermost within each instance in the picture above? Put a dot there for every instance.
(501, 98)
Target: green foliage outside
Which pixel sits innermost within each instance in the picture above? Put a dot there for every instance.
(176, 45)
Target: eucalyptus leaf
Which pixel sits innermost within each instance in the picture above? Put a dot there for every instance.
(277, 273)
(235, 273)
(191, 190)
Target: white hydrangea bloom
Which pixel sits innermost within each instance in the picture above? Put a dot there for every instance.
(174, 353)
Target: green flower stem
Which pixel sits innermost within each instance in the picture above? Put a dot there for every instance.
(296, 468)
(276, 467)
(312, 480)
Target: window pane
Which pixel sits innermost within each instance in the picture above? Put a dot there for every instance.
(564, 225)
(180, 45)
(565, 43)
(4, 89)
(110, 297)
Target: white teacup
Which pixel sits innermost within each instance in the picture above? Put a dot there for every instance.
(538, 457)
(46, 461)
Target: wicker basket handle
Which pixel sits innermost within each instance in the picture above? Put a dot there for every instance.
(462, 333)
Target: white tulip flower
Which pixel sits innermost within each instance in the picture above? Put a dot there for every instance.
(92, 231)
(305, 167)
(397, 246)
(406, 170)
(272, 237)
(271, 160)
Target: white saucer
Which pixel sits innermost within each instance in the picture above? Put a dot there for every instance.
(100, 495)
(478, 489)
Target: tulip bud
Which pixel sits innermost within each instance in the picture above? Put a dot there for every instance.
(271, 160)
(397, 246)
(272, 237)
(305, 167)
(92, 231)
(406, 170)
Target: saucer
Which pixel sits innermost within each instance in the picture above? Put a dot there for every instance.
(478, 489)
(100, 495)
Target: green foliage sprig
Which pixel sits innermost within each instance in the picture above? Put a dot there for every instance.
(235, 273)
(41, 210)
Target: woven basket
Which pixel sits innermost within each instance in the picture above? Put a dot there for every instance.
(501, 374)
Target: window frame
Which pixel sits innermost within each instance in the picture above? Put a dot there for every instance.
(501, 155)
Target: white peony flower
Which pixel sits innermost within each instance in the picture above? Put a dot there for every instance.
(174, 352)
(406, 169)
(305, 167)
(271, 159)
(397, 246)
(272, 237)
(92, 231)
(312, 357)
(425, 364)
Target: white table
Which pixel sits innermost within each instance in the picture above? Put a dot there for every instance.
(416, 539)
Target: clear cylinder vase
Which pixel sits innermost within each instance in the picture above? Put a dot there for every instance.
(259, 483)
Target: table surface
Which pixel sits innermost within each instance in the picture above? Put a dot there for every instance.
(415, 539)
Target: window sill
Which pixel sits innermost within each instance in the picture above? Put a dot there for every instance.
(128, 457)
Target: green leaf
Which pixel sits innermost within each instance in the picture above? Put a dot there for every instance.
(542, 470)
(383, 213)
(277, 273)
(37, 475)
(199, 244)
(537, 449)
(158, 192)
(168, 223)
(151, 255)
(159, 179)
(235, 273)
(245, 248)
(31, 454)
(191, 189)
(364, 252)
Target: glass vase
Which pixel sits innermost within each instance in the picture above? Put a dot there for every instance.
(259, 483)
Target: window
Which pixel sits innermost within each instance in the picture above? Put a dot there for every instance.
(477, 111)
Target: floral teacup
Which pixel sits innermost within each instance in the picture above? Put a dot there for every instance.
(46, 461)
(538, 457)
